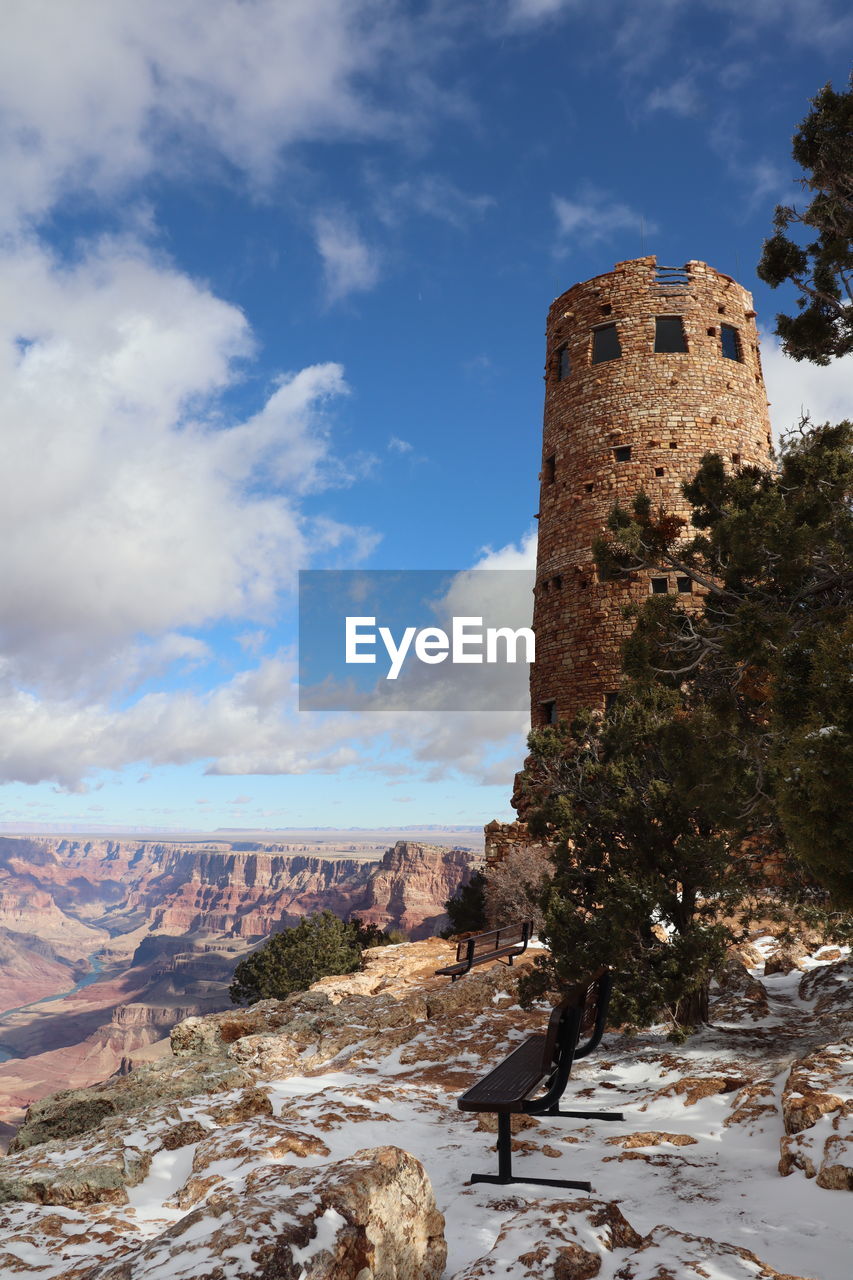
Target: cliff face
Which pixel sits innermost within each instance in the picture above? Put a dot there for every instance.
(410, 887)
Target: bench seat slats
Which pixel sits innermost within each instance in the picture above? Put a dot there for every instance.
(511, 1082)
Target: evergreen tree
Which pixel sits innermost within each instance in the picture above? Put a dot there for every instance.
(289, 961)
(770, 653)
(642, 802)
(467, 909)
(822, 270)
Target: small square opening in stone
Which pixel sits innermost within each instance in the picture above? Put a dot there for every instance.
(730, 342)
(673, 444)
(622, 453)
(606, 309)
(684, 586)
(564, 364)
(659, 471)
(669, 334)
(611, 699)
(558, 582)
(721, 310)
(588, 488)
(548, 711)
(605, 344)
(712, 332)
(660, 586)
(549, 474)
(735, 459)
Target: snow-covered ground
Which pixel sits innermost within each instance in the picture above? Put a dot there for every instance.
(697, 1153)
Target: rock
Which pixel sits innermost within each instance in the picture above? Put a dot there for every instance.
(652, 1139)
(99, 1174)
(370, 1217)
(783, 961)
(836, 1167)
(831, 988)
(573, 1262)
(76, 1111)
(818, 1111)
(808, 1092)
(695, 1088)
(736, 994)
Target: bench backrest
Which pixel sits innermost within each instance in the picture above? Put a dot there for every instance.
(577, 1023)
(513, 935)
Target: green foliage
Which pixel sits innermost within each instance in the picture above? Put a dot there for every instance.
(771, 653)
(290, 961)
(643, 801)
(822, 270)
(466, 909)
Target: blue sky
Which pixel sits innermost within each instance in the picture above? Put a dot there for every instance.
(273, 292)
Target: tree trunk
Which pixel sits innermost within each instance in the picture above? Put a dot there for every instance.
(692, 1009)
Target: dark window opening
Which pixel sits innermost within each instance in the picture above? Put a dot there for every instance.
(588, 488)
(605, 344)
(730, 342)
(735, 459)
(673, 444)
(583, 584)
(622, 453)
(669, 334)
(558, 583)
(544, 585)
(660, 586)
(659, 471)
(550, 473)
(684, 586)
(564, 364)
(721, 310)
(607, 309)
(548, 711)
(610, 701)
(712, 332)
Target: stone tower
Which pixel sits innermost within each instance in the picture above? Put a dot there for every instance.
(648, 368)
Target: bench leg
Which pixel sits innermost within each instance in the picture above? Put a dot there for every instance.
(504, 1175)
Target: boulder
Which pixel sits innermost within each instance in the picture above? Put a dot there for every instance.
(370, 1217)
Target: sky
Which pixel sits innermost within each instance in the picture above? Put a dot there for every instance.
(273, 294)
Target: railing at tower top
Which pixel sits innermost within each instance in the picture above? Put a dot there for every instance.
(672, 277)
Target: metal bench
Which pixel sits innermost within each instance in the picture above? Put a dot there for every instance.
(543, 1061)
(499, 944)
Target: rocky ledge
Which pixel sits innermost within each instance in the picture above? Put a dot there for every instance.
(317, 1138)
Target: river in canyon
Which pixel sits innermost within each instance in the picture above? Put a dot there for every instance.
(85, 981)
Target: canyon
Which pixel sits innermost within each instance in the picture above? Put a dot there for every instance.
(106, 943)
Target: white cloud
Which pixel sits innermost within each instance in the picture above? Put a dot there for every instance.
(593, 215)
(129, 505)
(680, 96)
(349, 264)
(396, 445)
(529, 11)
(797, 387)
(96, 93)
(430, 195)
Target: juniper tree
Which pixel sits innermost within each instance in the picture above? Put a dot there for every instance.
(641, 802)
(822, 269)
(771, 652)
(290, 961)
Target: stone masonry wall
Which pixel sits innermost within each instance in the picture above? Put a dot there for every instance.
(669, 409)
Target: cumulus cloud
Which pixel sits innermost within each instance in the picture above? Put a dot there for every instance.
(594, 215)
(680, 96)
(100, 92)
(350, 265)
(129, 505)
(797, 387)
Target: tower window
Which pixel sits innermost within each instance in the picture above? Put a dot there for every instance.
(605, 344)
(588, 488)
(607, 309)
(684, 586)
(735, 459)
(730, 342)
(610, 701)
(622, 453)
(558, 583)
(549, 475)
(673, 444)
(669, 334)
(548, 711)
(659, 471)
(564, 364)
(660, 586)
